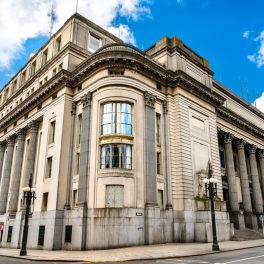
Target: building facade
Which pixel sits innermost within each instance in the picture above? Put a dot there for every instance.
(118, 143)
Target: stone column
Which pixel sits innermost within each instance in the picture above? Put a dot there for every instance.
(150, 150)
(231, 175)
(261, 163)
(84, 166)
(16, 175)
(2, 155)
(31, 152)
(257, 196)
(249, 218)
(83, 187)
(71, 156)
(235, 217)
(6, 174)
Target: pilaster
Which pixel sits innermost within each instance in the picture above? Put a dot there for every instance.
(2, 155)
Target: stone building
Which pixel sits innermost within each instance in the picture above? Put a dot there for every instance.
(118, 142)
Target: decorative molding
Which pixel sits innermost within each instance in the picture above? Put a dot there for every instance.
(150, 99)
(21, 134)
(239, 121)
(86, 99)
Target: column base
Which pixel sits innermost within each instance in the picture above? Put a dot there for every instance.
(251, 221)
(237, 219)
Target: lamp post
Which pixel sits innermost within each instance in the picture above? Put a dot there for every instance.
(211, 186)
(29, 194)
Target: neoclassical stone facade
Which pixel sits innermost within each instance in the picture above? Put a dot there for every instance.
(118, 142)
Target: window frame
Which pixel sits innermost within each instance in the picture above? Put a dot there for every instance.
(91, 35)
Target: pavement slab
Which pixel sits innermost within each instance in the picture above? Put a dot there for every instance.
(161, 251)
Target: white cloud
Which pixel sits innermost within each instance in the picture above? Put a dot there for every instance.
(259, 103)
(246, 34)
(258, 57)
(24, 19)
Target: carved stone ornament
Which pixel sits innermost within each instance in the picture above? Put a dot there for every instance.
(252, 149)
(74, 107)
(86, 99)
(10, 140)
(261, 154)
(21, 134)
(228, 137)
(33, 126)
(165, 107)
(200, 187)
(240, 143)
(150, 99)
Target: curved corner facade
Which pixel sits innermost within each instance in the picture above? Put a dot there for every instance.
(118, 143)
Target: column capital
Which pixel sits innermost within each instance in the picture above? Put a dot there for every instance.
(33, 126)
(150, 99)
(252, 149)
(11, 140)
(2, 145)
(74, 107)
(165, 107)
(21, 134)
(86, 99)
(261, 153)
(228, 137)
(240, 143)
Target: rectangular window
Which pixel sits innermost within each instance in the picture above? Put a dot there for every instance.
(79, 129)
(33, 68)
(114, 196)
(157, 129)
(158, 163)
(94, 43)
(44, 57)
(68, 233)
(60, 67)
(49, 167)
(45, 199)
(9, 234)
(116, 156)
(58, 44)
(77, 164)
(14, 85)
(41, 235)
(23, 78)
(74, 198)
(160, 198)
(52, 132)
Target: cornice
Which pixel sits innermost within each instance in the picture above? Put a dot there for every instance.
(63, 78)
(239, 121)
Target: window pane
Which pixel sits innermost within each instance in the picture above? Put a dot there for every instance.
(115, 156)
(94, 43)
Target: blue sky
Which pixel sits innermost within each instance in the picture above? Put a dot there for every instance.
(227, 33)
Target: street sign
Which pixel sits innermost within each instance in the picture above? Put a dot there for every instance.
(1, 227)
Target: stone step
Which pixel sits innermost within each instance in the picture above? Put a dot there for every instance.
(247, 234)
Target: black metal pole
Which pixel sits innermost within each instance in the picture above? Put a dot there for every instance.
(215, 246)
(28, 196)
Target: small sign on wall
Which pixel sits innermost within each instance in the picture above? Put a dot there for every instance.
(139, 214)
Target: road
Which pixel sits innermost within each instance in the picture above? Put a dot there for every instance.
(245, 256)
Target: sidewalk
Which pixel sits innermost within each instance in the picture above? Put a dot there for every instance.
(132, 253)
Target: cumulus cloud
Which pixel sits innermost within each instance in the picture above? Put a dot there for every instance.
(24, 19)
(258, 57)
(246, 34)
(259, 103)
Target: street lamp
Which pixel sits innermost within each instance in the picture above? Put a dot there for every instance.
(211, 186)
(29, 194)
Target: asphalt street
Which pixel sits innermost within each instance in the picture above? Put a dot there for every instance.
(245, 256)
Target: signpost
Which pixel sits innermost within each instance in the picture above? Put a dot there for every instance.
(261, 218)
